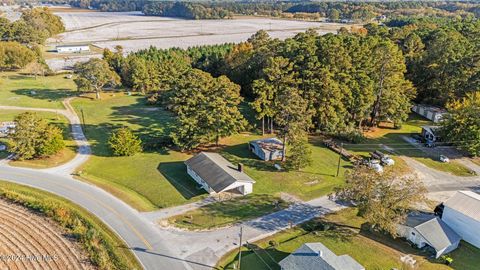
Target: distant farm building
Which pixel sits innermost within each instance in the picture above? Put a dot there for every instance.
(429, 230)
(215, 174)
(462, 213)
(432, 113)
(73, 48)
(430, 133)
(7, 128)
(316, 256)
(267, 149)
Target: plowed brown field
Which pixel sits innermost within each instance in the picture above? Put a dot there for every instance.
(31, 241)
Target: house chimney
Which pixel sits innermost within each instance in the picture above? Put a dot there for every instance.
(320, 253)
(240, 167)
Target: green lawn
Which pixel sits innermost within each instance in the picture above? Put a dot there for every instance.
(341, 233)
(62, 157)
(158, 178)
(148, 180)
(393, 139)
(16, 90)
(228, 212)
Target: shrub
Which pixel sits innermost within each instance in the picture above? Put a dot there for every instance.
(124, 143)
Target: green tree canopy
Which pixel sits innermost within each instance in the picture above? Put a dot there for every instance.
(462, 123)
(35, 138)
(123, 142)
(93, 75)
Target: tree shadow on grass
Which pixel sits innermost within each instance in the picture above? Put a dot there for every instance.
(176, 174)
(45, 94)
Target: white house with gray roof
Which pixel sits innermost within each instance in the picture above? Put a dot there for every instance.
(215, 174)
(316, 256)
(429, 230)
(462, 213)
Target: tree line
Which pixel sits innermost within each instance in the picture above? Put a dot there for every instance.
(20, 40)
(334, 84)
(335, 10)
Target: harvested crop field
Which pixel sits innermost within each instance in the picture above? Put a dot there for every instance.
(134, 31)
(30, 241)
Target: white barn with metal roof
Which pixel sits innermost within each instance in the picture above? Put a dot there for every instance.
(462, 213)
(215, 174)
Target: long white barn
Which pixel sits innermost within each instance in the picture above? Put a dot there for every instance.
(462, 214)
(73, 48)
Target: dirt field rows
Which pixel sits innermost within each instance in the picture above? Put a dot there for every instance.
(29, 241)
(135, 31)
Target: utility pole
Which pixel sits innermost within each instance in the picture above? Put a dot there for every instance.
(240, 249)
(83, 121)
(339, 159)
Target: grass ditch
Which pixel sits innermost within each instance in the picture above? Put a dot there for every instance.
(103, 247)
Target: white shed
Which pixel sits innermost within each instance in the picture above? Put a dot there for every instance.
(73, 48)
(462, 213)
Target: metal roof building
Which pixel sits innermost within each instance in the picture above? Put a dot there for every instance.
(316, 256)
(462, 214)
(427, 229)
(216, 174)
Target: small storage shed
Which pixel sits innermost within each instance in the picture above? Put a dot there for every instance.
(430, 133)
(428, 229)
(462, 213)
(267, 149)
(215, 174)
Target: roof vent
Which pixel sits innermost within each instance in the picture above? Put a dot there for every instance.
(240, 167)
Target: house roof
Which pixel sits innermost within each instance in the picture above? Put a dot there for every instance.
(465, 202)
(216, 171)
(269, 144)
(315, 256)
(438, 234)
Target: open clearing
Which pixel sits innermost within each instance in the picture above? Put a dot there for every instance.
(134, 31)
(27, 234)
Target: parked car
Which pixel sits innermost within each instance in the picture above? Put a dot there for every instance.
(444, 159)
(384, 158)
(374, 164)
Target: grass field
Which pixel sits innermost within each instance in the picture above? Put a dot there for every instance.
(104, 248)
(159, 179)
(345, 237)
(62, 157)
(16, 90)
(221, 214)
(393, 138)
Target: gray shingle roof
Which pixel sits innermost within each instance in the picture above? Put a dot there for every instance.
(316, 256)
(465, 202)
(438, 234)
(218, 172)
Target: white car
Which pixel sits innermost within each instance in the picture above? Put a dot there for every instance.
(375, 165)
(444, 159)
(388, 161)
